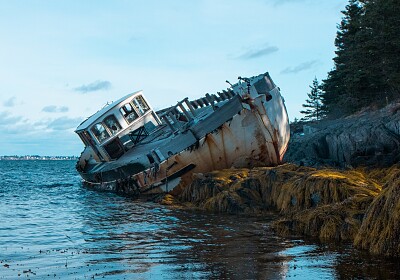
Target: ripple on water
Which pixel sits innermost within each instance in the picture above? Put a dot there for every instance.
(52, 227)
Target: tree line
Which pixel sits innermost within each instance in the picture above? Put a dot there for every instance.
(366, 70)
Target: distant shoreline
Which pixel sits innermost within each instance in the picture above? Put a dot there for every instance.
(36, 157)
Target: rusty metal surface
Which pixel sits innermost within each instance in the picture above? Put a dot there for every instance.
(250, 129)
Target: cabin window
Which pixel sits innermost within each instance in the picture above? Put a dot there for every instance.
(140, 104)
(112, 124)
(128, 112)
(100, 132)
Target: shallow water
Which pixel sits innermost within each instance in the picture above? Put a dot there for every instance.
(52, 227)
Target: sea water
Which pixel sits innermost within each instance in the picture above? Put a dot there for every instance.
(51, 227)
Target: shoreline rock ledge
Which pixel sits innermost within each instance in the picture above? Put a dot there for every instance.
(332, 205)
(360, 204)
(369, 138)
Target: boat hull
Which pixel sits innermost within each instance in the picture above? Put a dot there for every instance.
(255, 133)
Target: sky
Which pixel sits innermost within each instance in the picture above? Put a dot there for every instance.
(61, 61)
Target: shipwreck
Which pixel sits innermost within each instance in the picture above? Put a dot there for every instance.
(132, 149)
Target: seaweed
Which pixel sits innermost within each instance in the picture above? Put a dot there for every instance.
(380, 230)
(358, 205)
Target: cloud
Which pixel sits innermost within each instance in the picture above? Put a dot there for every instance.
(21, 136)
(19, 125)
(13, 124)
(55, 109)
(95, 86)
(64, 123)
(10, 102)
(256, 53)
(6, 119)
(301, 67)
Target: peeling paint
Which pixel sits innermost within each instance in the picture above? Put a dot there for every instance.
(242, 130)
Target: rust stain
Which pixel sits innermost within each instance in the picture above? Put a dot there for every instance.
(224, 127)
(209, 140)
(276, 146)
(263, 155)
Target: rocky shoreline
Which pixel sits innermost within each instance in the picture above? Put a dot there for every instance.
(343, 184)
(370, 138)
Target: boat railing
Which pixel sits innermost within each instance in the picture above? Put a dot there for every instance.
(185, 111)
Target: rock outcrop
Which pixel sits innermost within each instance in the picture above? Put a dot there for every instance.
(361, 205)
(325, 203)
(366, 139)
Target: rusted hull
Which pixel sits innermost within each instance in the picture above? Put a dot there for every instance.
(256, 136)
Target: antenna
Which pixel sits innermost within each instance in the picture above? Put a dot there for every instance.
(247, 80)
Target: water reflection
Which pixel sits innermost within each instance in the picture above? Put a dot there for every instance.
(54, 228)
(150, 240)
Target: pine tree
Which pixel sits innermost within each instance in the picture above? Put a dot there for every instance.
(380, 42)
(367, 64)
(313, 103)
(340, 86)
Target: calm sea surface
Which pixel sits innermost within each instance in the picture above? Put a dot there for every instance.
(53, 228)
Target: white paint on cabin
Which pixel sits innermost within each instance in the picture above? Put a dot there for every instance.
(106, 127)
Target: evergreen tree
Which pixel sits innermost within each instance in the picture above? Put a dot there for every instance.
(367, 64)
(339, 87)
(313, 104)
(379, 43)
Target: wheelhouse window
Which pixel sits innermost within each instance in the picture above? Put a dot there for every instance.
(100, 132)
(112, 124)
(140, 104)
(128, 112)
